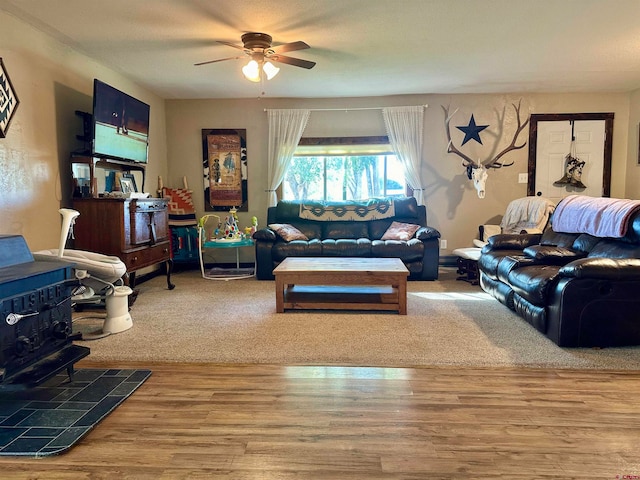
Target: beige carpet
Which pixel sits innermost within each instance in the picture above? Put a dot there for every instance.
(448, 323)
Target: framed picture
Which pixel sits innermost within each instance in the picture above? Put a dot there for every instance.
(8, 101)
(129, 176)
(225, 169)
(127, 185)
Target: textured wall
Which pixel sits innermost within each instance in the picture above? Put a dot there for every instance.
(52, 82)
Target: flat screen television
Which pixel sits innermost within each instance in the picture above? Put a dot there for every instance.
(120, 125)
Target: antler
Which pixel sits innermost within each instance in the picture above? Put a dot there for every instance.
(491, 163)
(450, 147)
(494, 163)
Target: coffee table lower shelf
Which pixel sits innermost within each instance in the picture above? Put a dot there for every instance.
(326, 297)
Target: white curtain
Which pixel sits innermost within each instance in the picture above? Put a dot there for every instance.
(405, 126)
(285, 130)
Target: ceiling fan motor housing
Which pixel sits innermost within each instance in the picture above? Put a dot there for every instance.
(253, 40)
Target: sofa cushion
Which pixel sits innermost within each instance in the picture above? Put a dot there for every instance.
(287, 232)
(337, 230)
(585, 243)
(551, 254)
(534, 283)
(490, 260)
(512, 241)
(425, 233)
(406, 207)
(406, 251)
(549, 237)
(287, 210)
(400, 231)
(608, 248)
(265, 235)
(511, 262)
(296, 248)
(310, 229)
(346, 247)
(377, 228)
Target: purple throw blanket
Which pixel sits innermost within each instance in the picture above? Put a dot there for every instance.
(601, 217)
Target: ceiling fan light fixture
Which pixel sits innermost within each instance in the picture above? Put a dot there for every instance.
(270, 70)
(251, 71)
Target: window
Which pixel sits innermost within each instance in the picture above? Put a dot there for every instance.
(356, 169)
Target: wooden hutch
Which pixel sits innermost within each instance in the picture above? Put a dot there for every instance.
(117, 223)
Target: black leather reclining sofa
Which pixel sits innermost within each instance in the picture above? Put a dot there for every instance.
(353, 238)
(578, 289)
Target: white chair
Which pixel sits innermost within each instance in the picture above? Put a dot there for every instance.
(523, 215)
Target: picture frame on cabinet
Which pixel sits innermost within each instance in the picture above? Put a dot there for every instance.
(127, 183)
(8, 100)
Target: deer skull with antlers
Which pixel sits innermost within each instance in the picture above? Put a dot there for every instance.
(478, 171)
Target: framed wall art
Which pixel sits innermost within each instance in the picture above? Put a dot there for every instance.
(8, 100)
(224, 161)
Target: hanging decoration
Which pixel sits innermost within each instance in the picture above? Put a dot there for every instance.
(478, 170)
(572, 178)
(472, 131)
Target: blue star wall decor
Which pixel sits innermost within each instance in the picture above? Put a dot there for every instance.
(472, 131)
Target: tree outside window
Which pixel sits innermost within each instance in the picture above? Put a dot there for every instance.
(337, 178)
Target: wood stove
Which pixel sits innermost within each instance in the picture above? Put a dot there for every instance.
(36, 333)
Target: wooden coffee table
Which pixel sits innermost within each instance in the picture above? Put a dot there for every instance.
(340, 283)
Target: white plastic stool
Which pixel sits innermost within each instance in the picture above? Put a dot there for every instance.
(118, 316)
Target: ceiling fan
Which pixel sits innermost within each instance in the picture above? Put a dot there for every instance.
(257, 47)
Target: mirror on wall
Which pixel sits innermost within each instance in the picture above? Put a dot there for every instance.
(570, 153)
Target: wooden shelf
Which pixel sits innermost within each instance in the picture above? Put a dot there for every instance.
(330, 297)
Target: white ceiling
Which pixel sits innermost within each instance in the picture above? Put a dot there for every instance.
(362, 47)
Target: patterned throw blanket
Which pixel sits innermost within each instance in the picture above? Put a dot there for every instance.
(601, 217)
(373, 209)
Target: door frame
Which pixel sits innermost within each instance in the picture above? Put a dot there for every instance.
(563, 117)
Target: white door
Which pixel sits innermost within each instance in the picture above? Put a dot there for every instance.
(553, 145)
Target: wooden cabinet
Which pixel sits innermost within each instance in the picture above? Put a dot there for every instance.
(135, 230)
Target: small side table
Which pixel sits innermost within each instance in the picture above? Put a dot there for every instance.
(225, 273)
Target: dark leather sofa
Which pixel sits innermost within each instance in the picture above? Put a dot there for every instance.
(420, 254)
(578, 289)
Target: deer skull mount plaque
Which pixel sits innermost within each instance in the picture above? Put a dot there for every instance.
(478, 171)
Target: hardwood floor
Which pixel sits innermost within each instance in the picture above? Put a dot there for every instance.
(197, 421)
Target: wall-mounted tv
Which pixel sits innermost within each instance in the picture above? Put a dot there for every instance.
(120, 125)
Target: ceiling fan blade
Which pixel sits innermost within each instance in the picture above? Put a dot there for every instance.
(298, 62)
(229, 44)
(290, 47)
(219, 60)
